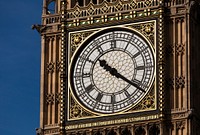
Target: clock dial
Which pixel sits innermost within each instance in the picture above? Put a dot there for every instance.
(112, 71)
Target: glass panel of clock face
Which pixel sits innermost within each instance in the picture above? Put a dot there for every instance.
(113, 72)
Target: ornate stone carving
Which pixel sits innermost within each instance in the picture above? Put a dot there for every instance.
(50, 98)
(50, 67)
(52, 131)
(98, 13)
(58, 66)
(180, 125)
(140, 131)
(125, 131)
(180, 49)
(180, 82)
(58, 97)
(111, 132)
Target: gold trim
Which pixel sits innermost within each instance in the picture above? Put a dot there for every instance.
(112, 122)
(153, 47)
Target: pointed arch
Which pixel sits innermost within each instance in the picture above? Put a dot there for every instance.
(140, 131)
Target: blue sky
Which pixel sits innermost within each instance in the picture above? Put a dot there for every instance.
(19, 66)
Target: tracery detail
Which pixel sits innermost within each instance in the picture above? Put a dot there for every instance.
(50, 98)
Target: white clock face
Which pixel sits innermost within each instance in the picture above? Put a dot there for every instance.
(112, 71)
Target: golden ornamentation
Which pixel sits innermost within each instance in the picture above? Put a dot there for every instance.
(111, 122)
(91, 10)
(148, 29)
(148, 3)
(133, 5)
(148, 103)
(77, 38)
(101, 11)
(77, 111)
(119, 6)
(105, 8)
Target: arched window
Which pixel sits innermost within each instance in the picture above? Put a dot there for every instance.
(97, 133)
(51, 8)
(125, 131)
(111, 132)
(154, 130)
(140, 131)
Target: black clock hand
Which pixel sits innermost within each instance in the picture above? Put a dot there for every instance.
(114, 72)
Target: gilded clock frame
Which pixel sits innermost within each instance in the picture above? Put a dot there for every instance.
(84, 113)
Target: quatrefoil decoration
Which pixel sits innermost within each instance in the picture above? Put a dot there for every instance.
(133, 5)
(91, 10)
(119, 6)
(77, 12)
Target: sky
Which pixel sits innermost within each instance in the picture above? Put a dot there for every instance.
(19, 66)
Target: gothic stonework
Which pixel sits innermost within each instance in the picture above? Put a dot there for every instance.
(171, 27)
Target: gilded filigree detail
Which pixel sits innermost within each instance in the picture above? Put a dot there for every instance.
(77, 39)
(77, 12)
(147, 29)
(76, 111)
(148, 3)
(133, 5)
(147, 103)
(101, 11)
(105, 8)
(119, 6)
(91, 10)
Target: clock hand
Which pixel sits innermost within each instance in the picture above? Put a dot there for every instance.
(114, 72)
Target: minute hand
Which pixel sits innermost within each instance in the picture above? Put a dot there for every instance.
(130, 82)
(114, 72)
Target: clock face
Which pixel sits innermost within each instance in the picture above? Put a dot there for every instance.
(112, 71)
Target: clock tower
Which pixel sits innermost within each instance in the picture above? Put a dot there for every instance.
(120, 67)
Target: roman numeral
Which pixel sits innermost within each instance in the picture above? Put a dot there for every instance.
(140, 68)
(127, 94)
(113, 99)
(138, 53)
(89, 88)
(143, 67)
(100, 50)
(99, 97)
(85, 75)
(113, 44)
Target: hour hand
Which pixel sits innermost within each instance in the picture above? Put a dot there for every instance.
(115, 73)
